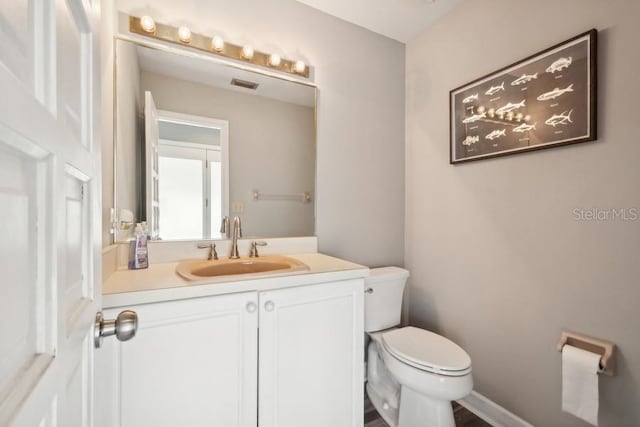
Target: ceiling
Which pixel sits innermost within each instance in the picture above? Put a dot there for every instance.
(211, 73)
(400, 20)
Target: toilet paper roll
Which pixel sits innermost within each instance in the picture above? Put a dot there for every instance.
(580, 383)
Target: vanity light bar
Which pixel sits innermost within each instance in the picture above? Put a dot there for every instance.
(145, 26)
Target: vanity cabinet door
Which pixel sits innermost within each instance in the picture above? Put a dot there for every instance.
(311, 356)
(192, 363)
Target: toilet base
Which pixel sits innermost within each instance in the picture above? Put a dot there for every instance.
(417, 410)
(388, 413)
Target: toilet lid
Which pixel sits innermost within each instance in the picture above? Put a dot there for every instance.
(426, 350)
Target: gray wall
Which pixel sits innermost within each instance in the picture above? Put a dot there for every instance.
(360, 76)
(271, 149)
(129, 130)
(499, 263)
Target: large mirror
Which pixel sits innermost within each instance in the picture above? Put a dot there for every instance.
(197, 140)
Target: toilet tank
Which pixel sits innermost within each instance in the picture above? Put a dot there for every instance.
(383, 297)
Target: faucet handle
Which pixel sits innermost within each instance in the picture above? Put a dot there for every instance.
(254, 248)
(213, 254)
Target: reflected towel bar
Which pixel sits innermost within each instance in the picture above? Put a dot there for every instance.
(606, 349)
(299, 197)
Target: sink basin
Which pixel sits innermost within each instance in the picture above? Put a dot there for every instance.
(263, 265)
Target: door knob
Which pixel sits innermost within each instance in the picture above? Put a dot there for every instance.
(251, 307)
(269, 306)
(124, 327)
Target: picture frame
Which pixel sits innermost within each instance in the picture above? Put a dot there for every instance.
(546, 100)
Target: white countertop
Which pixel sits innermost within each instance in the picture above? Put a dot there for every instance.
(160, 282)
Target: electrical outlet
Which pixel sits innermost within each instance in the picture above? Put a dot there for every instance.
(237, 207)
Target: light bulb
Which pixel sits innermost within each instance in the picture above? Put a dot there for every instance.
(274, 60)
(217, 44)
(299, 67)
(148, 24)
(184, 34)
(247, 52)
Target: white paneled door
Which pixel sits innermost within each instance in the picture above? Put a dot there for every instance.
(49, 210)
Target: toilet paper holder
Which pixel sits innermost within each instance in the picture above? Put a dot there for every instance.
(606, 349)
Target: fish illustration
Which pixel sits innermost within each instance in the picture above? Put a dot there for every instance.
(559, 119)
(525, 78)
(495, 89)
(470, 140)
(470, 98)
(496, 134)
(559, 65)
(474, 118)
(555, 93)
(524, 127)
(510, 107)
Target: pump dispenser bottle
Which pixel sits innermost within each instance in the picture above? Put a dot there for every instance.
(139, 250)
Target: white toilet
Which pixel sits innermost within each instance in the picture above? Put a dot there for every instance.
(412, 374)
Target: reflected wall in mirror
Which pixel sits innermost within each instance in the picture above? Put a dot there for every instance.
(196, 139)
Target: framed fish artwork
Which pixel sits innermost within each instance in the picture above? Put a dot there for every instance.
(543, 101)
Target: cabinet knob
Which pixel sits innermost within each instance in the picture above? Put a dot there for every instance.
(269, 306)
(251, 307)
(124, 327)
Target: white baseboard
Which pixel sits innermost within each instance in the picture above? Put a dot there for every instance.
(491, 412)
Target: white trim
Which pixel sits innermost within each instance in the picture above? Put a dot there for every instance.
(191, 119)
(182, 144)
(491, 412)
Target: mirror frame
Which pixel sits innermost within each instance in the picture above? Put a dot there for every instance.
(185, 51)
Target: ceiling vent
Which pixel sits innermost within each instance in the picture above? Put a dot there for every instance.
(245, 84)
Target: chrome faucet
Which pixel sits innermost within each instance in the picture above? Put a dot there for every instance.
(224, 227)
(236, 231)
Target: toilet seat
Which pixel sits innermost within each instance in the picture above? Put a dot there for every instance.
(426, 351)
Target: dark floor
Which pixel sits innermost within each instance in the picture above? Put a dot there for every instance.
(464, 418)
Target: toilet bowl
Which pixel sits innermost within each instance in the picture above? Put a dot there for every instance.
(412, 374)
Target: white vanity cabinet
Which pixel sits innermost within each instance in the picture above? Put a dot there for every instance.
(311, 356)
(296, 354)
